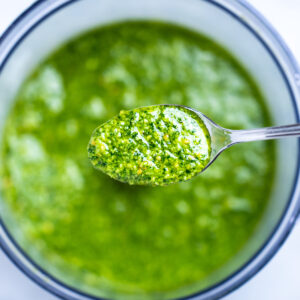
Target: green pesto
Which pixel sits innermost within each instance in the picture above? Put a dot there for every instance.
(109, 238)
(154, 145)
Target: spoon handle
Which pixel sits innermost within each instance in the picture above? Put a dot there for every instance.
(268, 133)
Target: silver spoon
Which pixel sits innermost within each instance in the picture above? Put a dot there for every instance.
(122, 156)
(223, 138)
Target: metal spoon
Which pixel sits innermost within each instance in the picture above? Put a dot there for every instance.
(122, 156)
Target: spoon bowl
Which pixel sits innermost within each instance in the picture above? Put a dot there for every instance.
(151, 145)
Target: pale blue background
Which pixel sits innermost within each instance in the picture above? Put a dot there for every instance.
(280, 279)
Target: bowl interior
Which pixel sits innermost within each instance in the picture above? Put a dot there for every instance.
(205, 17)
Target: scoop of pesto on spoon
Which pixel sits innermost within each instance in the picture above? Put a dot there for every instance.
(164, 144)
(154, 145)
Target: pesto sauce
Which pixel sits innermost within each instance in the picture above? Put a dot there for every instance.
(112, 239)
(154, 145)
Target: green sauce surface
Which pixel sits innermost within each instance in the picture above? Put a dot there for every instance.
(154, 145)
(109, 238)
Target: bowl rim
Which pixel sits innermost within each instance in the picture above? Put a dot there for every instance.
(41, 10)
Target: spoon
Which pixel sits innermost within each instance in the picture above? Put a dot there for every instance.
(165, 144)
